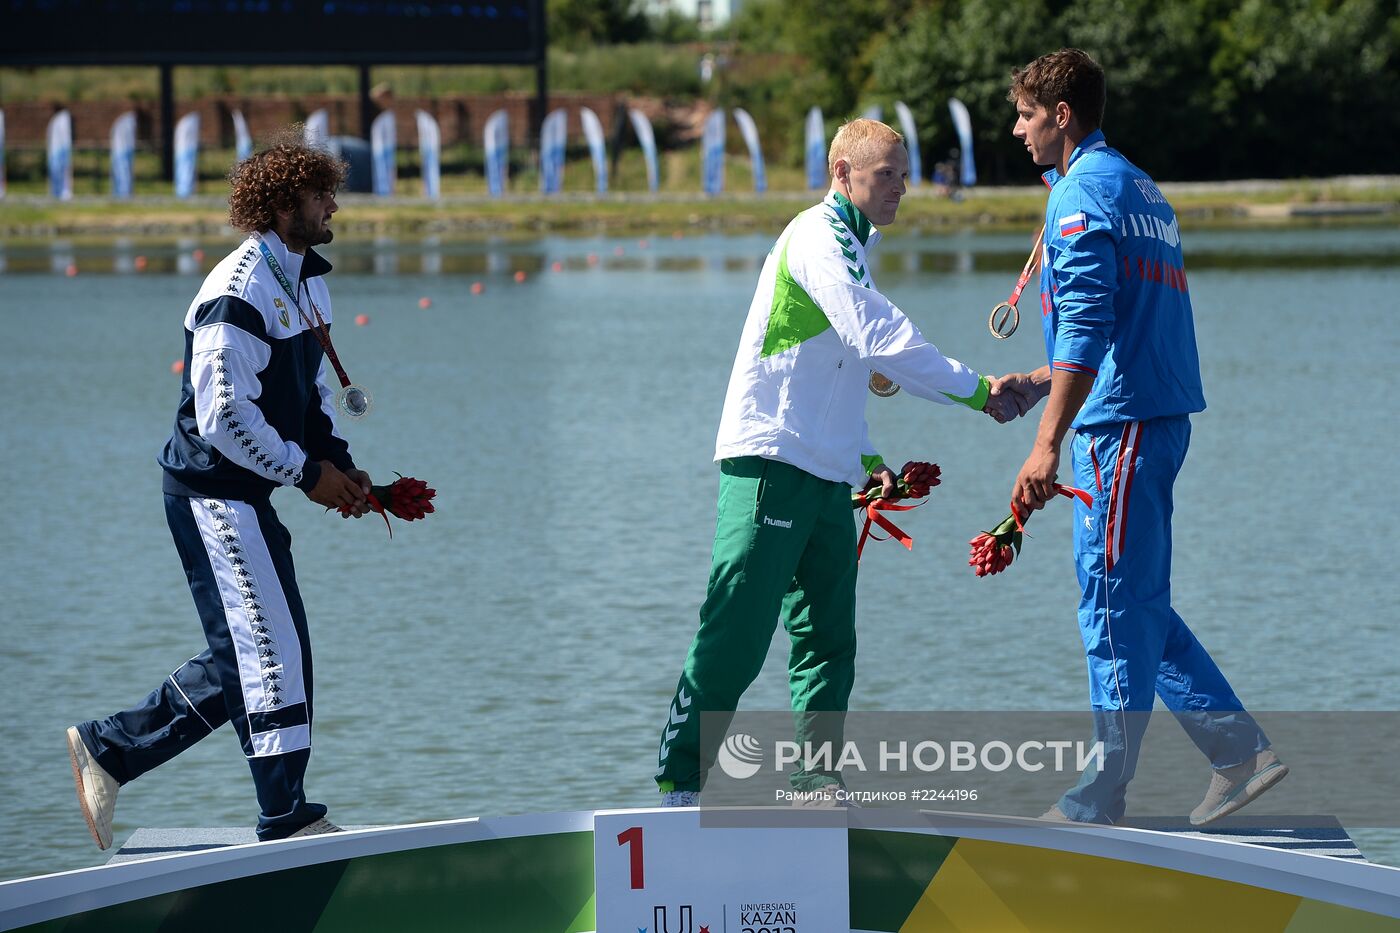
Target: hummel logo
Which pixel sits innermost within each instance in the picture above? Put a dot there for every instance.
(777, 522)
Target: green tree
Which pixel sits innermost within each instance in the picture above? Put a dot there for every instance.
(1156, 57)
(1306, 87)
(966, 50)
(577, 24)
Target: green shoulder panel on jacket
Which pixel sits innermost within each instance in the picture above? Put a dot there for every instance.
(795, 317)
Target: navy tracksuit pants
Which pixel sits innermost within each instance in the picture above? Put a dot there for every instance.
(256, 672)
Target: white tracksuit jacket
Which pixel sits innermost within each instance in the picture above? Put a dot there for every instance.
(816, 329)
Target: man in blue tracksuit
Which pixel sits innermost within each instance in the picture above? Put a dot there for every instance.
(1123, 372)
(255, 415)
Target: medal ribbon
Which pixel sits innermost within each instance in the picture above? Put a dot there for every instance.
(1032, 263)
(873, 508)
(322, 332)
(1069, 492)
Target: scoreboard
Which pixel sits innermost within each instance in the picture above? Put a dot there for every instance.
(193, 32)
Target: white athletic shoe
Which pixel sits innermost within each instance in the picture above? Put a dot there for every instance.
(681, 798)
(97, 790)
(1055, 815)
(318, 828)
(1232, 788)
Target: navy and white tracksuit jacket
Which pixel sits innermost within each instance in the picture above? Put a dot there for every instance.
(255, 414)
(1115, 305)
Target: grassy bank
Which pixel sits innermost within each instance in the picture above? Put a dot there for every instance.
(628, 213)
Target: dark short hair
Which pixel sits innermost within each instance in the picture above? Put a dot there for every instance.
(274, 179)
(1068, 75)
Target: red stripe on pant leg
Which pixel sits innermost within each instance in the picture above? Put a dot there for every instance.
(1122, 489)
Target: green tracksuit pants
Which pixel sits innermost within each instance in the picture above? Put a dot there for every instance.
(785, 547)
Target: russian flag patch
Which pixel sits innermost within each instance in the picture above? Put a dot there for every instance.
(1072, 224)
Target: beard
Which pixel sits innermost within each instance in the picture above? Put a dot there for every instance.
(304, 234)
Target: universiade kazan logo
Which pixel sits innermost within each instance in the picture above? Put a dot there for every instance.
(740, 756)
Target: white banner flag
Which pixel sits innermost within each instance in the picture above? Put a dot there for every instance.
(383, 155)
(496, 139)
(815, 149)
(553, 135)
(60, 155)
(712, 145)
(429, 153)
(242, 139)
(749, 131)
(911, 142)
(963, 121)
(597, 148)
(317, 130)
(647, 138)
(123, 154)
(186, 155)
(874, 112)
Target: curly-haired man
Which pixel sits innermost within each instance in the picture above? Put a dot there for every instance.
(254, 414)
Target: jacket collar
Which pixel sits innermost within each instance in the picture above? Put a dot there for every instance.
(1094, 140)
(852, 217)
(296, 267)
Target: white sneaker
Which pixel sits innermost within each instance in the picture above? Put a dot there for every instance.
(97, 790)
(1232, 788)
(681, 798)
(318, 828)
(1055, 815)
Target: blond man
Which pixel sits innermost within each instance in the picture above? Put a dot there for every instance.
(792, 442)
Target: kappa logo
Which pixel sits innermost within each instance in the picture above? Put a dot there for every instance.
(282, 314)
(777, 522)
(740, 756)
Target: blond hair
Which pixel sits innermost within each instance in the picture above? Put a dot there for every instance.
(860, 142)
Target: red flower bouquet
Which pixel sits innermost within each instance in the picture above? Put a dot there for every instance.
(993, 551)
(915, 480)
(406, 498)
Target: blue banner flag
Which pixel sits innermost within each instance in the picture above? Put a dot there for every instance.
(750, 133)
(123, 154)
(647, 138)
(963, 122)
(816, 149)
(553, 134)
(712, 145)
(911, 143)
(593, 132)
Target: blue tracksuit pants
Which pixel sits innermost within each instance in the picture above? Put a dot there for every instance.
(256, 672)
(1136, 644)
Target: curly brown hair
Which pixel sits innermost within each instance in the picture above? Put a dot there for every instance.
(274, 180)
(1069, 75)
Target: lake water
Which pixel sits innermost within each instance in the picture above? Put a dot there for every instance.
(515, 652)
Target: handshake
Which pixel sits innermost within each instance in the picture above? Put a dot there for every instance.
(1013, 395)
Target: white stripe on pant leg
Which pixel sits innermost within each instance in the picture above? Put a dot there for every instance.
(260, 623)
(1122, 481)
(281, 741)
(176, 684)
